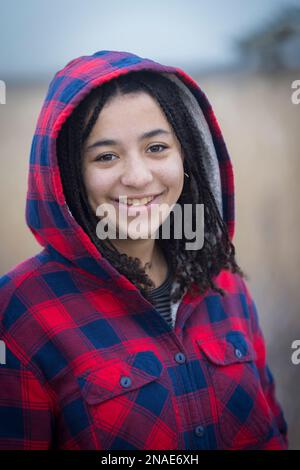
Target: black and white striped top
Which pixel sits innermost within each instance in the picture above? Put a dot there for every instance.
(160, 297)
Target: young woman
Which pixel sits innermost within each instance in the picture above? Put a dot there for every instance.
(131, 341)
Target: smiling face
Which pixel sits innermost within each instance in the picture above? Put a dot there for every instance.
(133, 151)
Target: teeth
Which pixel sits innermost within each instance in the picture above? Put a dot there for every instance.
(137, 202)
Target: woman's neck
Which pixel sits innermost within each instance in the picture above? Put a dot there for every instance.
(151, 255)
(159, 269)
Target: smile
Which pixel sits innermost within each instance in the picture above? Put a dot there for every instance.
(143, 204)
(145, 201)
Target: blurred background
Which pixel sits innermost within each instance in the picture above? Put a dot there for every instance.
(245, 57)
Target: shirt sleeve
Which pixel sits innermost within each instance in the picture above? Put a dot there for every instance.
(26, 413)
(265, 374)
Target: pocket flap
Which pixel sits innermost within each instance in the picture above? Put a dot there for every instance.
(118, 376)
(234, 347)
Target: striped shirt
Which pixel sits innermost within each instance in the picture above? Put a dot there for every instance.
(160, 297)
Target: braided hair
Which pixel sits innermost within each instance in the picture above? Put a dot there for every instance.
(191, 268)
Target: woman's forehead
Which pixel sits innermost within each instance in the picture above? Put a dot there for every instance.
(135, 114)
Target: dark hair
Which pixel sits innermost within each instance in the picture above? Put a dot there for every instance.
(204, 263)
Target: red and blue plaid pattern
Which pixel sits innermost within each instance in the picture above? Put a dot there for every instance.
(90, 363)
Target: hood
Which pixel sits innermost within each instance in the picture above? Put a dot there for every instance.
(47, 213)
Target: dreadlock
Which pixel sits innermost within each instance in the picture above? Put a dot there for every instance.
(192, 268)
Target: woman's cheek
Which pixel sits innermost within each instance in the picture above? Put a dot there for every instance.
(97, 186)
(174, 177)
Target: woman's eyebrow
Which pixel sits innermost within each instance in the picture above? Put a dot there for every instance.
(148, 134)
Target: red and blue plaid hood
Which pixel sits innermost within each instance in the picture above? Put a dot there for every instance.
(47, 214)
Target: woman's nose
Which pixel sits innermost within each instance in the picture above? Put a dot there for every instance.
(136, 173)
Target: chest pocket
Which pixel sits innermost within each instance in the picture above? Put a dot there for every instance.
(244, 416)
(125, 399)
(118, 376)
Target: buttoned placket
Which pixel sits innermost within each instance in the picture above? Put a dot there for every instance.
(181, 358)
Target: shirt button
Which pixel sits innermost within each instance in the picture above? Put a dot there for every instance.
(199, 431)
(180, 358)
(238, 353)
(125, 381)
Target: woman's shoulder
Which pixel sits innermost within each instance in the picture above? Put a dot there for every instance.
(231, 282)
(19, 285)
(23, 269)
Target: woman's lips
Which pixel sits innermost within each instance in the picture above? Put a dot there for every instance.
(137, 210)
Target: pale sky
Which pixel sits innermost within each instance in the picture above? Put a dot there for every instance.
(38, 37)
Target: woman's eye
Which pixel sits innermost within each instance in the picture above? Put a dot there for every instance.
(102, 158)
(106, 157)
(157, 145)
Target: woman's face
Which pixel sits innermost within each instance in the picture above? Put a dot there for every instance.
(119, 159)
